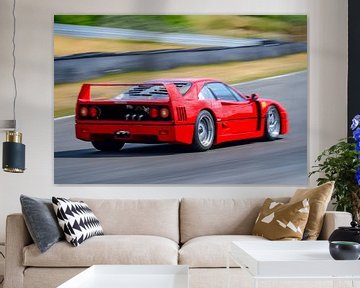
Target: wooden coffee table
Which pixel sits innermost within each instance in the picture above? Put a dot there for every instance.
(292, 260)
(131, 276)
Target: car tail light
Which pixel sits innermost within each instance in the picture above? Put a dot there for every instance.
(164, 113)
(93, 112)
(154, 113)
(84, 111)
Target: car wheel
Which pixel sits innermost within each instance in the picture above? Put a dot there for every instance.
(204, 132)
(273, 123)
(108, 146)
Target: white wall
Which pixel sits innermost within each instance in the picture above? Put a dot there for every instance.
(327, 88)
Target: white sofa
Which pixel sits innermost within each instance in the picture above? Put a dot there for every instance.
(194, 232)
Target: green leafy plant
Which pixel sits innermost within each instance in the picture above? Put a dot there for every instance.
(339, 163)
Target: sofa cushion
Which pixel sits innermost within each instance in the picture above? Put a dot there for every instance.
(49, 277)
(211, 251)
(279, 221)
(200, 217)
(158, 217)
(76, 220)
(41, 221)
(107, 249)
(319, 198)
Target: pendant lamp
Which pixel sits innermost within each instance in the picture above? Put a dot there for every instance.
(13, 149)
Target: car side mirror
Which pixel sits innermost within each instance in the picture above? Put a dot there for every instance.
(254, 97)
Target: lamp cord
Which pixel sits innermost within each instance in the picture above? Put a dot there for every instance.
(2, 280)
(14, 61)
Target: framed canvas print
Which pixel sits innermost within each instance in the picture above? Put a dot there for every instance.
(180, 99)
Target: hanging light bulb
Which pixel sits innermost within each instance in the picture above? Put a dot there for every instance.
(13, 149)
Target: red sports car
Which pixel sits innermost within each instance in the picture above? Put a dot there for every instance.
(198, 112)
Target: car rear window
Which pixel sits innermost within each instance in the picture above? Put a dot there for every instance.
(144, 92)
(149, 91)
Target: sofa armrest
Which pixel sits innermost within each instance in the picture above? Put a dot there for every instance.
(17, 237)
(333, 220)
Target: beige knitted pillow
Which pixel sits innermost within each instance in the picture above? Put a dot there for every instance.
(279, 221)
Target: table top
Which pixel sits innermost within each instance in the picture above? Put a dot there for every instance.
(291, 259)
(131, 276)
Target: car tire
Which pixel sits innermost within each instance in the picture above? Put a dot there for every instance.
(108, 146)
(204, 132)
(272, 123)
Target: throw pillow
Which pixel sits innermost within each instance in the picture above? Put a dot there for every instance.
(41, 222)
(319, 198)
(77, 220)
(279, 221)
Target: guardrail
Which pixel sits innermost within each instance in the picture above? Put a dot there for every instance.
(79, 67)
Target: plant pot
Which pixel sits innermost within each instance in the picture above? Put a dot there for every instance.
(350, 234)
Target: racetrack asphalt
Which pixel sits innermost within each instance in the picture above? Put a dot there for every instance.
(279, 162)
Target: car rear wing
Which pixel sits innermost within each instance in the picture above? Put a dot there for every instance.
(169, 88)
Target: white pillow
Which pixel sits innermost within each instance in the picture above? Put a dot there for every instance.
(76, 220)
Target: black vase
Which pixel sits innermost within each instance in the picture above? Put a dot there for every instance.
(350, 234)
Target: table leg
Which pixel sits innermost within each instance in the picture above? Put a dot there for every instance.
(228, 270)
(255, 283)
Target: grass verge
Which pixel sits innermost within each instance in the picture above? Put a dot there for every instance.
(231, 72)
(64, 45)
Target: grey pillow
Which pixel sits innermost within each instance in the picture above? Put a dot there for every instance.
(41, 221)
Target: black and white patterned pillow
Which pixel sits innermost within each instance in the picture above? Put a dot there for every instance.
(77, 220)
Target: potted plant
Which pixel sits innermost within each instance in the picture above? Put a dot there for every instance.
(341, 163)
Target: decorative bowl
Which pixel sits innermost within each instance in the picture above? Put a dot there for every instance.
(344, 250)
